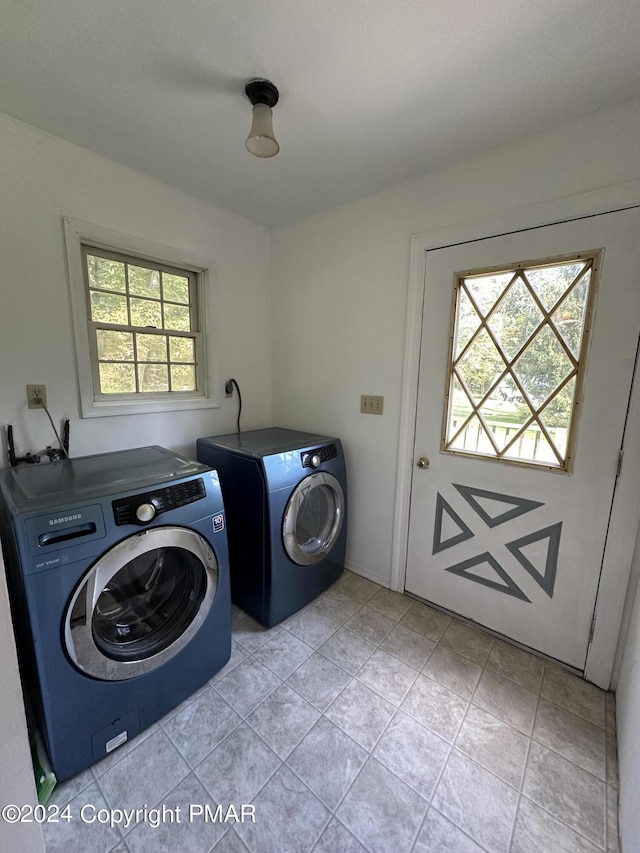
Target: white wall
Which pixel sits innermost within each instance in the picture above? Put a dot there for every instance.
(628, 719)
(340, 285)
(16, 776)
(42, 179)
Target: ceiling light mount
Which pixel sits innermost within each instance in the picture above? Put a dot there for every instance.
(263, 95)
(262, 92)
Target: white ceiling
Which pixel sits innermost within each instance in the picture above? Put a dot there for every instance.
(372, 92)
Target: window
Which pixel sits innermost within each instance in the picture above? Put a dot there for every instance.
(139, 318)
(517, 359)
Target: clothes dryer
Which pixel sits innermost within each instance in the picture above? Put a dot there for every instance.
(285, 492)
(117, 567)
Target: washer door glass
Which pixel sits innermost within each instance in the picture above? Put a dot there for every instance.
(313, 518)
(141, 603)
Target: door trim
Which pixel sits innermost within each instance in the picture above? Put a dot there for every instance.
(625, 515)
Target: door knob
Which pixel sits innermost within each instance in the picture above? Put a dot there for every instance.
(423, 462)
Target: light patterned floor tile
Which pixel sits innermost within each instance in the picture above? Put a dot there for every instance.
(413, 753)
(370, 624)
(573, 693)
(247, 686)
(566, 791)
(145, 775)
(514, 663)
(319, 680)
(348, 650)
(274, 831)
(435, 706)
(476, 801)
(572, 736)
(439, 835)
(468, 641)
(388, 676)
(238, 767)
(313, 628)
(381, 811)
(327, 761)
(391, 604)
(283, 719)
(507, 700)
(453, 671)
(283, 653)
(411, 648)
(426, 621)
(192, 833)
(494, 744)
(536, 831)
(362, 589)
(361, 714)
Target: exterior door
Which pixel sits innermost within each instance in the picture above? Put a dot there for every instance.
(522, 398)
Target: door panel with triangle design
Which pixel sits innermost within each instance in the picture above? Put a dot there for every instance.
(508, 522)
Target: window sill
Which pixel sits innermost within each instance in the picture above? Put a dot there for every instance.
(102, 408)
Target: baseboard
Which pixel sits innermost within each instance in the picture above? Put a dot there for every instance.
(365, 573)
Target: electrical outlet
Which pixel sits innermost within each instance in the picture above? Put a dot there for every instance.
(228, 388)
(371, 405)
(36, 396)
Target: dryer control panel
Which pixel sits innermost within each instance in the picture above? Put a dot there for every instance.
(143, 508)
(313, 458)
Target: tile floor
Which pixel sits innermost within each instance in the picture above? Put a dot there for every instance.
(367, 722)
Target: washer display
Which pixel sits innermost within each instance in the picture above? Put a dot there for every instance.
(118, 574)
(286, 497)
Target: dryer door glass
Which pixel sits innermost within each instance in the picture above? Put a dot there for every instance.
(141, 603)
(313, 518)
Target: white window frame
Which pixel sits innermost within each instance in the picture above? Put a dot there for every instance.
(94, 404)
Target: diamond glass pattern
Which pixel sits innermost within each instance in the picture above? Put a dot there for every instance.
(517, 338)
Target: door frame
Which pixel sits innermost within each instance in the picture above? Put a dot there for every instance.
(625, 512)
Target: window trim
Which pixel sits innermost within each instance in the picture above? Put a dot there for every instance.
(93, 404)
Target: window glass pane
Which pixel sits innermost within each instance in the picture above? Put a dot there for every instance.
(117, 378)
(570, 316)
(178, 318)
(486, 290)
(481, 365)
(144, 312)
(153, 377)
(151, 347)
(468, 322)
(109, 308)
(505, 411)
(114, 346)
(183, 377)
(175, 288)
(551, 282)
(182, 349)
(515, 319)
(542, 366)
(144, 282)
(512, 390)
(105, 274)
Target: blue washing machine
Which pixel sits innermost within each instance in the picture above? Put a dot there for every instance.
(285, 493)
(117, 567)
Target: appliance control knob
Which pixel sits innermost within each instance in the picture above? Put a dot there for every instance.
(146, 512)
(315, 460)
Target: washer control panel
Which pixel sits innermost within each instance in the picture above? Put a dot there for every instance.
(314, 458)
(142, 509)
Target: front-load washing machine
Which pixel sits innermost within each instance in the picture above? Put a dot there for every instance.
(117, 566)
(285, 493)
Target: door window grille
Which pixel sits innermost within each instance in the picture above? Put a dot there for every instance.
(516, 360)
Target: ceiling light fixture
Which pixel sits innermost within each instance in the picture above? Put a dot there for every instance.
(261, 141)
